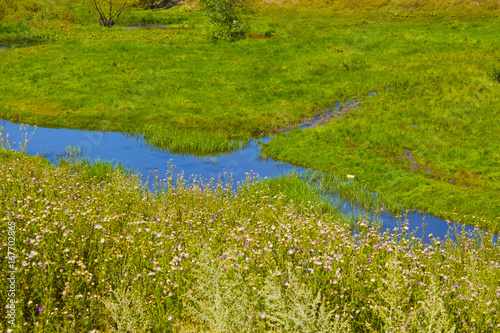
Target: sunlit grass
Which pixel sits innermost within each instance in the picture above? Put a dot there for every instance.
(104, 253)
(189, 95)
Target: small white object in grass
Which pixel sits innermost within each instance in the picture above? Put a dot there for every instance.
(350, 176)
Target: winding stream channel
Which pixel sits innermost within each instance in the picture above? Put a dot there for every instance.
(134, 153)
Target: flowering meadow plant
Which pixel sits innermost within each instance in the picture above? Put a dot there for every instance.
(104, 254)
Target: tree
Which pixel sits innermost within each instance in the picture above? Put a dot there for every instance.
(225, 17)
(108, 20)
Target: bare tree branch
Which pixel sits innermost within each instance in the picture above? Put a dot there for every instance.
(110, 20)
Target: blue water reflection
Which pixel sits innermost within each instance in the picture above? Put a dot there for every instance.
(134, 153)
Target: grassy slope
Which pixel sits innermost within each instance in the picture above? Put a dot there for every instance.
(191, 95)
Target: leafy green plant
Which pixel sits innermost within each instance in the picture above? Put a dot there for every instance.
(219, 302)
(291, 306)
(225, 18)
(126, 311)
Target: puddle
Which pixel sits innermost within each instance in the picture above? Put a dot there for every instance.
(3, 47)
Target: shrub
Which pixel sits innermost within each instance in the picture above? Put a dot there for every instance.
(225, 19)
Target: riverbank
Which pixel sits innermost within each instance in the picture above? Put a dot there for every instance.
(428, 136)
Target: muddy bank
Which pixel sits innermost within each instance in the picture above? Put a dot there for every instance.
(323, 117)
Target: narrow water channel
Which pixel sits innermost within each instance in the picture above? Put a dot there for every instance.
(134, 153)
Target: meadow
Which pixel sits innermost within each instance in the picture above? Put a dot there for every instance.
(429, 135)
(98, 252)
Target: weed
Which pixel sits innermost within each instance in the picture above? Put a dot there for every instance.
(495, 74)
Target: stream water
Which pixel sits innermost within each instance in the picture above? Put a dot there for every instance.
(134, 153)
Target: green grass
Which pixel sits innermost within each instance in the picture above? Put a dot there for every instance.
(354, 192)
(189, 95)
(105, 254)
(98, 252)
(444, 115)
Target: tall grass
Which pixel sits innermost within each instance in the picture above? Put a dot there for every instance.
(354, 192)
(180, 140)
(109, 255)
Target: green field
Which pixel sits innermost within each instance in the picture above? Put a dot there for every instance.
(435, 71)
(98, 252)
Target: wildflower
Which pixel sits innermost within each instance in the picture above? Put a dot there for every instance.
(350, 176)
(40, 308)
(39, 237)
(139, 275)
(32, 254)
(98, 226)
(40, 265)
